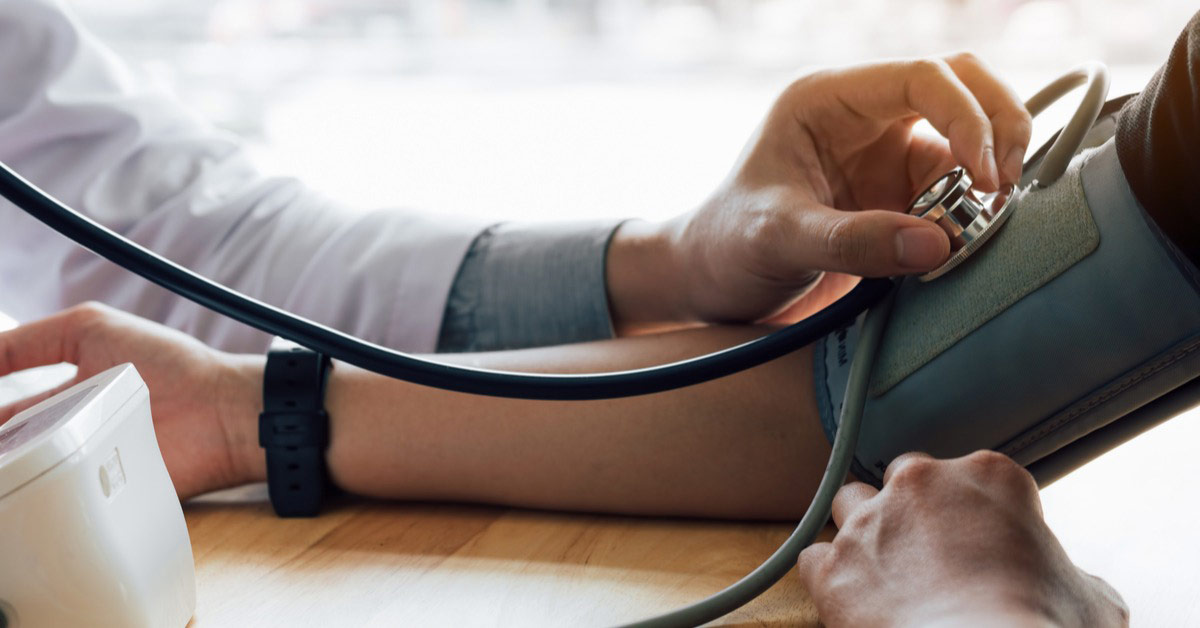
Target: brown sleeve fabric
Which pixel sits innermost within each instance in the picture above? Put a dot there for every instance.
(1158, 144)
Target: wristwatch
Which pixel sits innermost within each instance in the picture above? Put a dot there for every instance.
(294, 428)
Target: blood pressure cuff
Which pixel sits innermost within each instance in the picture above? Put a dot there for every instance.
(1077, 313)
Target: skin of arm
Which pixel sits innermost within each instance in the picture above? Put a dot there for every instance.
(734, 447)
(745, 446)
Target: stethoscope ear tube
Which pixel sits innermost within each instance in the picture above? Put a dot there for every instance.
(338, 345)
(1095, 76)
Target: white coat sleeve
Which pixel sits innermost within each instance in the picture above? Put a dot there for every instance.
(82, 126)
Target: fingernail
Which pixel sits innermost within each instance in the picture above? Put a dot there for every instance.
(1013, 162)
(920, 248)
(991, 176)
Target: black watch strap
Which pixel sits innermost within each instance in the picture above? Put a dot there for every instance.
(294, 428)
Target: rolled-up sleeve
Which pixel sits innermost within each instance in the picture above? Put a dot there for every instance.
(525, 285)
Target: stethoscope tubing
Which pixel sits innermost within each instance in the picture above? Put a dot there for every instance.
(418, 370)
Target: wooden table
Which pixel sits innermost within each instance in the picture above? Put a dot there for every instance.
(368, 563)
(1131, 517)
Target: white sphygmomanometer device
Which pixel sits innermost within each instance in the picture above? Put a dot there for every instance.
(96, 520)
(91, 531)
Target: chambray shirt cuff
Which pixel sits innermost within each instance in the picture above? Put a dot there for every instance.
(528, 285)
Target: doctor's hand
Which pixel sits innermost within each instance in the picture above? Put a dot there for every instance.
(183, 375)
(951, 543)
(818, 196)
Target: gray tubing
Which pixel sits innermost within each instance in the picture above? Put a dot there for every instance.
(783, 560)
(1095, 76)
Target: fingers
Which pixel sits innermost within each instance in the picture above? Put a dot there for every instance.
(849, 498)
(935, 92)
(35, 344)
(810, 562)
(930, 89)
(17, 407)
(1011, 123)
(869, 243)
(959, 96)
(902, 461)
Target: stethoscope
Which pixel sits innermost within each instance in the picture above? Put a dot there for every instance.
(968, 218)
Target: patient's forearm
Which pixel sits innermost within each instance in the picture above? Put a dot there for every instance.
(748, 445)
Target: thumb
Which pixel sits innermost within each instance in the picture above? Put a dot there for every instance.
(868, 243)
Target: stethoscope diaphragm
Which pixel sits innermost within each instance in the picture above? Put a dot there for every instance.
(968, 218)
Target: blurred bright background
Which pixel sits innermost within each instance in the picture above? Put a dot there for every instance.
(540, 108)
(545, 109)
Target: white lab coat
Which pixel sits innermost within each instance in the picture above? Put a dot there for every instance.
(81, 125)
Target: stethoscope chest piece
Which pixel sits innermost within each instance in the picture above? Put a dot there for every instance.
(969, 219)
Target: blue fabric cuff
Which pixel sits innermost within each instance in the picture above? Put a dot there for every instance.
(530, 284)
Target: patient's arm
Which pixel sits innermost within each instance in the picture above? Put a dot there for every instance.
(748, 445)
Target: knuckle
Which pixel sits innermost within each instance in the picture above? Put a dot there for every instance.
(1016, 121)
(816, 564)
(931, 68)
(763, 230)
(914, 473)
(863, 518)
(991, 461)
(972, 127)
(964, 58)
(850, 537)
(760, 230)
(828, 564)
(808, 89)
(1024, 118)
(88, 313)
(815, 555)
(845, 243)
(1001, 469)
(804, 82)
